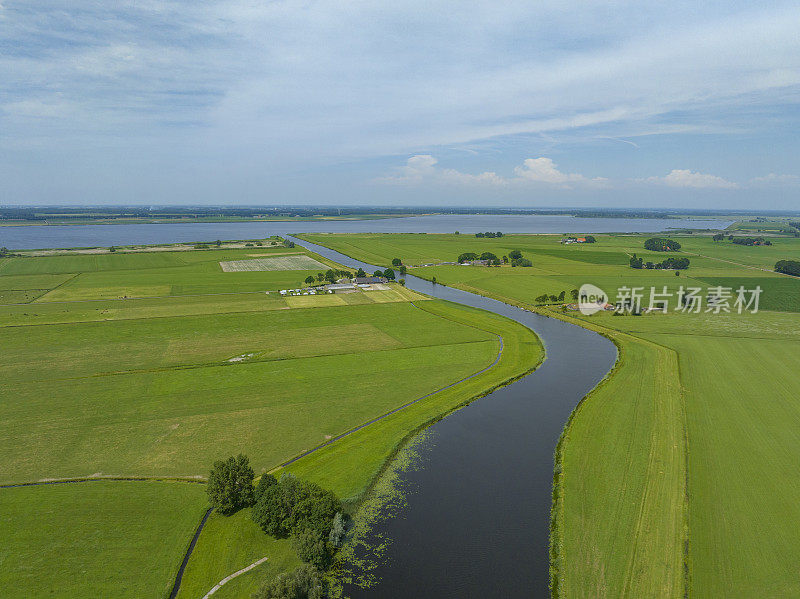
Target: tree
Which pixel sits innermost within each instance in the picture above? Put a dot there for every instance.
(230, 484)
(402, 282)
(561, 296)
(574, 294)
(789, 267)
(112, 249)
(377, 273)
(467, 257)
(488, 256)
(515, 254)
(389, 274)
(303, 583)
(360, 273)
(310, 547)
(338, 530)
(480, 235)
(433, 280)
(310, 279)
(590, 239)
(553, 298)
(458, 233)
(330, 276)
(320, 276)
(264, 483)
(403, 270)
(396, 261)
(542, 299)
(718, 237)
(505, 259)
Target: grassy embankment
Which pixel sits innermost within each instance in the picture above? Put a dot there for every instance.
(679, 470)
(100, 384)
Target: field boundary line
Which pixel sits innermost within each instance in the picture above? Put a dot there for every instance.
(227, 579)
(88, 479)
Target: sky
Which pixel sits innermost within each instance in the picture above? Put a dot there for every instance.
(540, 104)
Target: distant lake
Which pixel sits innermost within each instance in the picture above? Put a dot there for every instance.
(65, 236)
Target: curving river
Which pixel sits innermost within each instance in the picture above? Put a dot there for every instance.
(478, 514)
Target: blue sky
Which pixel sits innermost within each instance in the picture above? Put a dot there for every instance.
(652, 104)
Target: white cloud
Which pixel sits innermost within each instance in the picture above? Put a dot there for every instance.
(688, 178)
(773, 179)
(422, 168)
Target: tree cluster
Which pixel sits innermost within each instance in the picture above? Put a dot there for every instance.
(660, 244)
(554, 299)
(331, 276)
(667, 264)
(488, 234)
(751, 241)
(302, 510)
(230, 484)
(789, 267)
(305, 582)
(492, 259)
(518, 260)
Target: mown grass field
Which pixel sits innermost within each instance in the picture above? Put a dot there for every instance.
(95, 539)
(679, 472)
(156, 364)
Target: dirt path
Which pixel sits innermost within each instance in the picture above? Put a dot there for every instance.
(234, 575)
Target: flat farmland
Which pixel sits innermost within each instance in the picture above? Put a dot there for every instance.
(291, 262)
(678, 473)
(95, 539)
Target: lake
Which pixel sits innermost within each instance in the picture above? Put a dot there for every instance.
(66, 236)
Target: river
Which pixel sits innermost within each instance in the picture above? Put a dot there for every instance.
(477, 518)
(68, 236)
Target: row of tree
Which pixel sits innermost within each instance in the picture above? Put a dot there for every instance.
(751, 241)
(489, 234)
(554, 299)
(667, 264)
(514, 257)
(331, 276)
(309, 515)
(661, 244)
(789, 267)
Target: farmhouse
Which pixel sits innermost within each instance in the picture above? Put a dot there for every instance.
(369, 280)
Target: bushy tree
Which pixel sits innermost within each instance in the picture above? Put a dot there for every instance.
(403, 270)
(488, 256)
(360, 273)
(303, 583)
(590, 239)
(230, 484)
(467, 257)
(265, 482)
(310, 547)
(310, 279)
(389, 274)
(396, 261)
(515, 254)
(330, 276)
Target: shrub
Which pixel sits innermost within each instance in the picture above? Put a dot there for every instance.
(230, 484)
(303, 583)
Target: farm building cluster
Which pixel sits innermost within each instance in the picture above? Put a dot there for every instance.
(354, 285)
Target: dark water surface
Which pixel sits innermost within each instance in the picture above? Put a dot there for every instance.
(478, 515)
(67, 236)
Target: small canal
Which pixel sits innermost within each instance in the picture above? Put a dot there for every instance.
(477, 518)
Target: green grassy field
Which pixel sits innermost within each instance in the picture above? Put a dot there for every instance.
(196, 364)
(679, 472)
(96, 539)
